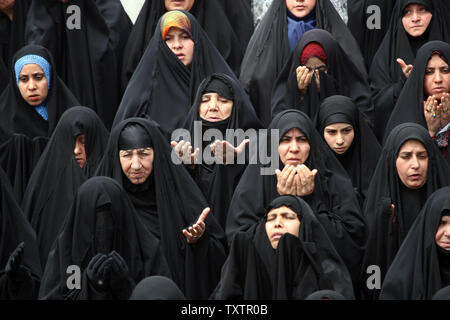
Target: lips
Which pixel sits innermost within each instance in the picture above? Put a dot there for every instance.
(33, 97)
(439, 90)
(340, 150)
(277, 235)
(415, 176)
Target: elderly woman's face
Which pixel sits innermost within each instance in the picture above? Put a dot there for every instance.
(294, 147)
(437, 77)
(181, 45)
(185, 5)
(215, 108)
(137, 164)
(6, 4)
(33, 85)
(442, 237)
(416, 19)
(412, 164)
(280, 221)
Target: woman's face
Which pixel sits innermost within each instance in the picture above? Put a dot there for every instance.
(79, 151)
(294, 148)
(437, 77)
(412, 164)
(416, 19)
(443, 233)
(215, 108)
(33, 85)
(300, 8)
(181, 45)
(185, 5)
(280, 221)
(137, 164)
(314, 64)
(339, 136)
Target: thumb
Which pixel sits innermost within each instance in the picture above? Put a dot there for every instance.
(173, 143)
(242, 145)
(314, 172)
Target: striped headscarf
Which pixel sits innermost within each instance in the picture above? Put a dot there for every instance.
(175, 19)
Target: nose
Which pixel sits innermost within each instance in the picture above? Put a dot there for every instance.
(135, 163)
(447, 231)
(415, 16)
(278, 222)
(415, 163)
(437, 77)
(339, 139)
(176, 43)
(213, 104)
(31, 84)
(293, 146)
(77, 149)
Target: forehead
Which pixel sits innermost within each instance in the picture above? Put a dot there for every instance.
(412, 145)
(294, 132)
(314, 61)
(436, 61)
(176, 31)
(136, 150)
(31, 68)
(338, 126)
(281, 210)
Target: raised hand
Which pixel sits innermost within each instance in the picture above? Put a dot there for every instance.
(432, 115)
(305, 180)
(195, 232)
(224, 152)
(98, 271)
(405, 68)
(184, 151)
(303, 79)
(285, 180)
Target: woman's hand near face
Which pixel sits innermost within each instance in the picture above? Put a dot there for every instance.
(184, 151)
(432, 115)
(303, 79)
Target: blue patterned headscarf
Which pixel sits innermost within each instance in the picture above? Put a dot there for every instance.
(45, 66)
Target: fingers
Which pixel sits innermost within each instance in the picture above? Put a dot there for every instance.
(204, 214)
(402, 63)
(241, 147)
(99, 263)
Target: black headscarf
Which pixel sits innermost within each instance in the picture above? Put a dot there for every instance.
(157, 288)
(333, 200)
(410, 104)
(361, 158)
(217, 181)
(415, 272)
(388, 228)
(298, 267)
(174, 202)
(87, 56)
(359, 16)
(386, 76)
(18, 116)
(76, 242)
(14, 229)
(268, 51)
(162, 87)
(211, 18)
(57, 175)
(343, 77)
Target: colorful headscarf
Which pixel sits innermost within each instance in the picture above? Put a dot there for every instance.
(175, 19)
(313, 49)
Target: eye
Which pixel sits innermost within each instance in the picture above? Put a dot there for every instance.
(331, 132)
(446, 70)
(270, 218)
(348, 130)
(429, 71)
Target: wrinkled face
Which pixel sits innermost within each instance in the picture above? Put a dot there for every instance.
(437, 77)
(339, 136)
(185, 5)
(33, 85)
(137, 164)
(412, 164)
(300, 8)
(214, 107)
(294, 148)
(416, 19)
(6, 4)
(79, 151)
(443, 233)
(181, 45)
(279, 221)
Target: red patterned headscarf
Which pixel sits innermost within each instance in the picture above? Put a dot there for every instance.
(175, 19)
(313, 49)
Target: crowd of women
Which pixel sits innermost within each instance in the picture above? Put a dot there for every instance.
(103, 199)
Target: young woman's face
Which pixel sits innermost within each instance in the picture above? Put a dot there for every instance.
(215, 108)
(437, 77)
(79, 151)
(412, 164)
(181, 45)
(339, 136)
(416, 19)
(185, 5)
(443, 233)
(294, 148)
(137, 164)
(280, 221)
(300, 8)
(33, 85)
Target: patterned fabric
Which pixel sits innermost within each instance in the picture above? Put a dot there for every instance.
(313, 49)
(297, 27)
(341, 8)
(33, 59)
(43, 111)
(175, 19)
(259, 8)
(442, 136)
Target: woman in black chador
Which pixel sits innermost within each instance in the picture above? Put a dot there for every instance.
(20, 268)
(211, 17)
(409, 170)
(221, 104)
(425, 98)
(422, 265)
(177, 59)
(104, 237)
(169, 204)
(307, 168)
(276, 36)
(413, 23)
(86, 39)
(285, 255)
(350, 138)
(70, 157)
(35, 97)
(318, 68)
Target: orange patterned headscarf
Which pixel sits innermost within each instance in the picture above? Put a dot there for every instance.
(175, 19)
